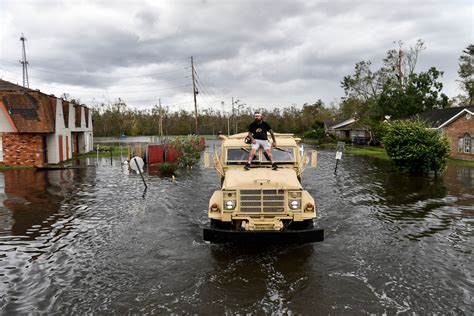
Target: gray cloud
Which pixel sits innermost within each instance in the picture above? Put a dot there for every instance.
(285, 51)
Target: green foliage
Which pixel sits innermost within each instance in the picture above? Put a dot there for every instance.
(317, 134)
(189, 148)
(395, 89)
(419, 93)
(466, 72)
(317, 131)
(376, 152)
(346, 140)
(414, 148)
(166, 169)
(117, 118)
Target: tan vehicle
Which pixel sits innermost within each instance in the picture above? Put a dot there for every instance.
(261, 204)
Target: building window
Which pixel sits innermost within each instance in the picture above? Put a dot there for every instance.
(1, 147)
(466, 145)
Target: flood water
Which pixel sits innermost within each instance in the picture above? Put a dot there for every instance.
(89, 240)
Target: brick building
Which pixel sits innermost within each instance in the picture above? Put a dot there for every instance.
(37, 129)
(457, 124)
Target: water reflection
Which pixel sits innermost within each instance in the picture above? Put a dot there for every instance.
(31, 200)
(86, 240)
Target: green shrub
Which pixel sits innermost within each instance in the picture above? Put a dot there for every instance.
(414, 148)
(317, 133)
(346, 140)
(190, 150)
(167, 169)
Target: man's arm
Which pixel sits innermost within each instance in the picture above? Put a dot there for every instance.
(273, 137)
(250, 135)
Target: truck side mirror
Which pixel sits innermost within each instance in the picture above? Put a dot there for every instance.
(314, 158)
(207, 159)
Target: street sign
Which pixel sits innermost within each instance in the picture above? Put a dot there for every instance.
(338, 155)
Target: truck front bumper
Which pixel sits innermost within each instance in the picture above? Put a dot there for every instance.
(222, 236)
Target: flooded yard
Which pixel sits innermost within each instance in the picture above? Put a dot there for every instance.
(90, 240)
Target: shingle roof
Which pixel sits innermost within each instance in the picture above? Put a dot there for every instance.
(437, 117)
(9, 86)
(31, 111)
(330, 123)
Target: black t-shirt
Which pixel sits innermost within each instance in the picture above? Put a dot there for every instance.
(259, 130)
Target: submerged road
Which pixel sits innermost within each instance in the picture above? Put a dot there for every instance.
(89, 240)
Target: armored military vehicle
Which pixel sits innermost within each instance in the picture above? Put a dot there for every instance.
(261, 204)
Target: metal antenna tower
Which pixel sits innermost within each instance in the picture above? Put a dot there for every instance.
(24, 62)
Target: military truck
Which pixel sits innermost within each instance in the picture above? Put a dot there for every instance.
(261, 204)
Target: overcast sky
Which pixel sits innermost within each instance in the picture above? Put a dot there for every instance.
(264, 53)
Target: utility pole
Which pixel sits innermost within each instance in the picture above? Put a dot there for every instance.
(228, 118)
(195, 92)
(233, 115)
(24, 62)
(160, 122)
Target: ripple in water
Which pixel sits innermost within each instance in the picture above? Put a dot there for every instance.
(91, 241)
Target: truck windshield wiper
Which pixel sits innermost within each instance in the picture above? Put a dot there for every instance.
(281, 149)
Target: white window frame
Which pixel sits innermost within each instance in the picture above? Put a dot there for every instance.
(467, 144)
(1, 148)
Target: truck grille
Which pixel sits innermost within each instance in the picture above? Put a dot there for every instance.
(256, 201)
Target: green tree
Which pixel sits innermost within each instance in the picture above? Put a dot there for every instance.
(396, 89)
(417, 93)
(466, 72)
(414, 148)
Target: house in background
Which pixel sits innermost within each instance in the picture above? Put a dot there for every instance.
(457, 124)
(38, 129)
(348, 128)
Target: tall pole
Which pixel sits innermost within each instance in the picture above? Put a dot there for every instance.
(160, 122)
(24, 62)
(233, 115)
(194, 94)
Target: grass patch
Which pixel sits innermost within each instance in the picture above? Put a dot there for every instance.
(376, 152)
(461, 163)
(15, 167)
(104, 151)
(328, 146)
(379, 152)
(165, 169)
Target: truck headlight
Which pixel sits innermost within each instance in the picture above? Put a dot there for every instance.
(294, 204)
(229, 204)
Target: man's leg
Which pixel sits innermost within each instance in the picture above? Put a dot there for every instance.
(251, 155)
(269, 153)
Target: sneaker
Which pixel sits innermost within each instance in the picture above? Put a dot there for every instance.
(247, 166)
(274, 166)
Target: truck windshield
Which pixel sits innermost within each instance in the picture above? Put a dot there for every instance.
(239, 155)
(283, 154)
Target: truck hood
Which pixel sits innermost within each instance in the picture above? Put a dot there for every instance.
(283, 178)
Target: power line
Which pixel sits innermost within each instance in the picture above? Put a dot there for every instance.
(205, 86)
(99, 90)
(135, 101)
(107, 77)
(138, 91)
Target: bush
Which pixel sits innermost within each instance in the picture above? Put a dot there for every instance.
(167, 169)
(414, 148)
(190, 150)
(346, 140)
(315, 134)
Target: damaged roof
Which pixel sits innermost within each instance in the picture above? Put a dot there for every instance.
(30, 111)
